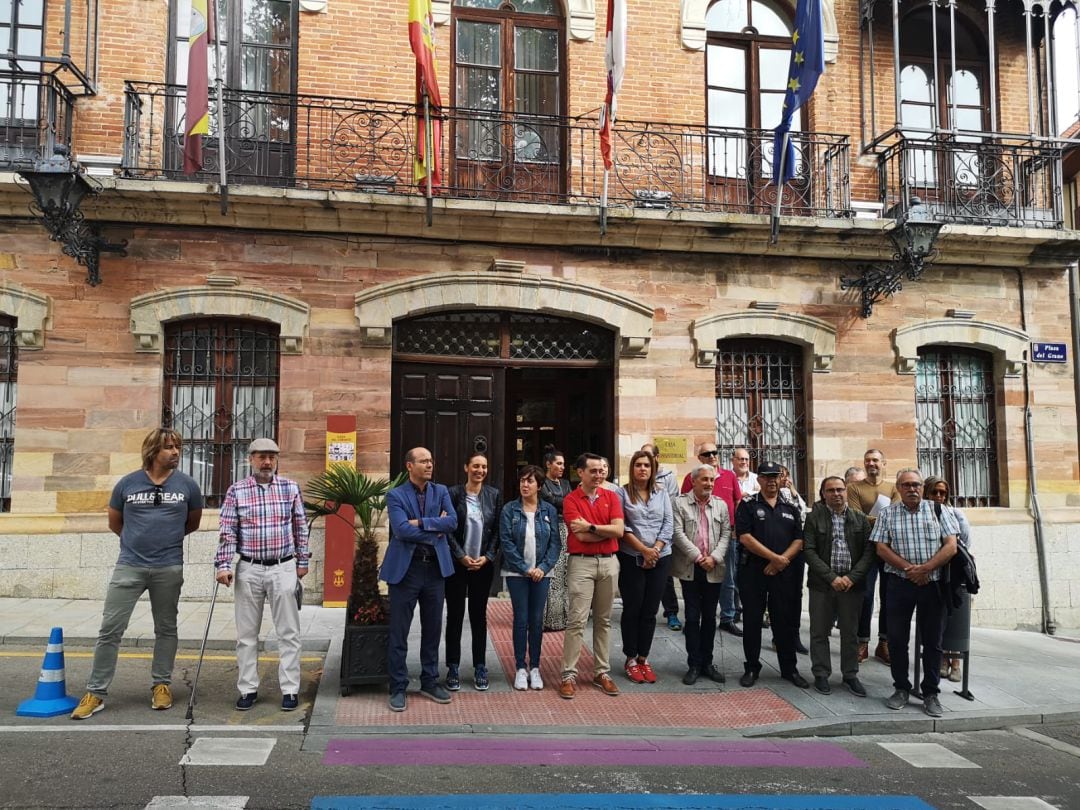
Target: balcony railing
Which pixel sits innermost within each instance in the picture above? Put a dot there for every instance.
(991, 180)
(35, 117)
(360, 145)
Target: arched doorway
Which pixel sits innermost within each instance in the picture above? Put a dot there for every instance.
(503, 383)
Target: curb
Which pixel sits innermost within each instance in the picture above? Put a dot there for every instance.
(147, 641)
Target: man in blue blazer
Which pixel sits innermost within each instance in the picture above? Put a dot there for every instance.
(415, 567)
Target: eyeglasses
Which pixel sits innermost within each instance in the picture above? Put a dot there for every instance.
(159, 494)
(709, 453)
(911, 485)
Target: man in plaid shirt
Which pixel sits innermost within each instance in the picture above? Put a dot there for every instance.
(914, 543)
(262, 520)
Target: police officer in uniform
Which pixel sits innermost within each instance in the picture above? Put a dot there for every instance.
(771, 534)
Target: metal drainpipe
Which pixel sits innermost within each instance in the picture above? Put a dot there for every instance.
(1048, 625)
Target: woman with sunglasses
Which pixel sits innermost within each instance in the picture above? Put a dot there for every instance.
(936, 490)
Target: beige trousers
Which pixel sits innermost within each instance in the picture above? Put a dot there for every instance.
(255, 585)
(591, 583)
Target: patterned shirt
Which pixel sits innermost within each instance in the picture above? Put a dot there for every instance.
(841, 554)
(915, 536)
(263, 523)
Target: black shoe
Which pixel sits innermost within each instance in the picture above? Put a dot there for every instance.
(732, 628)
(856, 687)
(796, 679)
(691, 676)
(436, 692)
(821, 683)
(749, 677)
(246, 701)
(289, 703)
(800, 648)
(713, 674)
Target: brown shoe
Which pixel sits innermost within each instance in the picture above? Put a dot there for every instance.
(604, 682)
(882, 652)
(864, 651)
(566, 689)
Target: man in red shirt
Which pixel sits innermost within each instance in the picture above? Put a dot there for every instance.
(594, 519)
(726, 489)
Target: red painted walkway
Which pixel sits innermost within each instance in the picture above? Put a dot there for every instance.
(667, 704)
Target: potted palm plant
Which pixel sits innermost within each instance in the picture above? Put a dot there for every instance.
(364, 648)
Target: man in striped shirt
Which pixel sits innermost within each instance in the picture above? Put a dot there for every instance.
(914, 543)
(262, 520)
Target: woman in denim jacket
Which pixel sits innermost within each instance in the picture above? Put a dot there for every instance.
(529, 536)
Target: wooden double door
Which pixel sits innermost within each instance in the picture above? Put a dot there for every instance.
(508, 412)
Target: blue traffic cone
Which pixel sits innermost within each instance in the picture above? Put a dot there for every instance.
(50, 698)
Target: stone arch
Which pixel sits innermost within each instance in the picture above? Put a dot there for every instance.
(693, 26)
(222, 296)
(1008, 346)
(378, 307)
(817, 335)
(580, 17)
(33, 312)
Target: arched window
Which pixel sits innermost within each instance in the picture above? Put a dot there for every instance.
(934, 97)
(955, 422)
(220, 392)
(761, 403)
(747, 56)
(509, 80)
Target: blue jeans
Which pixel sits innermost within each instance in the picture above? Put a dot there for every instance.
(528, 600)
(729, 590)
(422, 583)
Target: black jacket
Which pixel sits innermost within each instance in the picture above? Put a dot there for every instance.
(491, 506)
(817, 547)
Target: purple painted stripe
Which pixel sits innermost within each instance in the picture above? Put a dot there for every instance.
(546, 751)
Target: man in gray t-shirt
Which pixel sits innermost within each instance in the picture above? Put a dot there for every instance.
(151, 510)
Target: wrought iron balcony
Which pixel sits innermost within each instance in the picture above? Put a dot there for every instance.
(35, 117)
(362, 145)
(991, 180)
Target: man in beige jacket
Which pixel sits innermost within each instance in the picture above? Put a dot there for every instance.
(702, 531)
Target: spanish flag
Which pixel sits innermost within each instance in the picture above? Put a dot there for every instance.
(422, 40)
(197, 116)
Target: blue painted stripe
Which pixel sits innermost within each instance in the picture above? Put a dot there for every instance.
(590, 801)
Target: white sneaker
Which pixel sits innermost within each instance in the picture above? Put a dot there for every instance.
(521, 680)
(535, 681)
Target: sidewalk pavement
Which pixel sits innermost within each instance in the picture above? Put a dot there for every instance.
(1017, 678)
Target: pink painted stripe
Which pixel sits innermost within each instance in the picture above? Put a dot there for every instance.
(475, 750)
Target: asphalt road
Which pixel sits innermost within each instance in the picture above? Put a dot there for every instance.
(127, 755)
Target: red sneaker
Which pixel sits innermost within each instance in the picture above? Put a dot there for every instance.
(647, 672)
(633, 671)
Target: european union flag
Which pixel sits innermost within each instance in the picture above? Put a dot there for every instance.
(807, 65)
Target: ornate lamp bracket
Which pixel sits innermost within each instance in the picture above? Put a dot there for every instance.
(59, 186)
(913, 236)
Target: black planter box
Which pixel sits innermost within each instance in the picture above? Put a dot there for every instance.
(364, 655)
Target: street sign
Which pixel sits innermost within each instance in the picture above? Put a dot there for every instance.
(1048, 353)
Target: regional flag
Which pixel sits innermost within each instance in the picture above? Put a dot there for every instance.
(422, 41)
(615, 61)
(807, 65)
(197, 116)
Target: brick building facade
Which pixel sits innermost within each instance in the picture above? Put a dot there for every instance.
(511, 320)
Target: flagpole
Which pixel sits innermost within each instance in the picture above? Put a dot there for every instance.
(223, 180)
(774, 232)
(428, 146)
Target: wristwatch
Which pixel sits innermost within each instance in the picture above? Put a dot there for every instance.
(592, 528)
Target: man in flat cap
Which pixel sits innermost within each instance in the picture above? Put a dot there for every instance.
(262, 520)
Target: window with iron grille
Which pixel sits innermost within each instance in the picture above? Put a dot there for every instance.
(761, 404)
(955, 414)
(9, 369)
(221, 391)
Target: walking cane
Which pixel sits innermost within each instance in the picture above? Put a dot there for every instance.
(202, 652)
